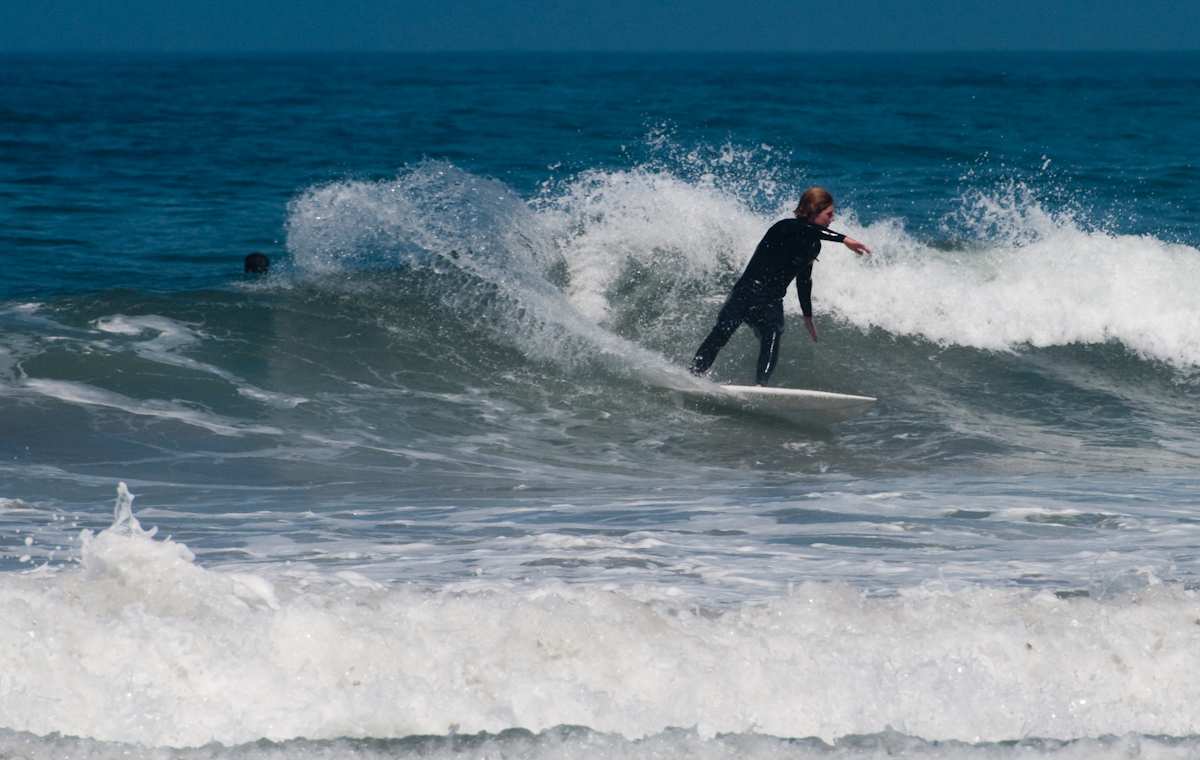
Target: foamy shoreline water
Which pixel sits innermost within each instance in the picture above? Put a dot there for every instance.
(139, 644)
(159, 652)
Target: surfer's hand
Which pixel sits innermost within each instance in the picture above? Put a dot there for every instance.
(856, 246)
(812, 329)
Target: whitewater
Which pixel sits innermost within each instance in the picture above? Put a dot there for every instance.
(139, 644)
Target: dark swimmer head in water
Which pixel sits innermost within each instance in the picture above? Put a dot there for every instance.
(257, 263)
(785, 253)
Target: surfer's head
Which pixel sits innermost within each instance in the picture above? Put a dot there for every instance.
(816, 206)
(257, 263)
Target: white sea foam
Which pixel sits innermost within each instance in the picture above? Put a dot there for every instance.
(1067, 286)
(89, 395)
(140, 644)
(572, 742)
(606, 221)
(171, 333)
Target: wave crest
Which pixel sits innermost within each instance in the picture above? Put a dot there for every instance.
(649, 252)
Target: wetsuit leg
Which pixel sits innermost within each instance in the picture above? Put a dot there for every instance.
(728, 322)
(716, 340)
(768, 354)
(767, 322)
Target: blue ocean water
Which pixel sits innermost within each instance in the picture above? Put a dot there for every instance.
(431, 488)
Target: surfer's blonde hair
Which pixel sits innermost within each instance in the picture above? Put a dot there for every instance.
(814, 201)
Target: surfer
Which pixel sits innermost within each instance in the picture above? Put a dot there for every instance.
(786, 253)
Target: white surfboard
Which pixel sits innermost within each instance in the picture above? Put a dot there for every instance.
(793, 404)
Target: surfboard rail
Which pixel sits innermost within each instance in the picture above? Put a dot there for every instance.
(799, 405)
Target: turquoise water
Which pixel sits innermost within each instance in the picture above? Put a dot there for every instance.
(434, 475)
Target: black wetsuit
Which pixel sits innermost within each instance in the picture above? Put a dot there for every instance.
(786, 253)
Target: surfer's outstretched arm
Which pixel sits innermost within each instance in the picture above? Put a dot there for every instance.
(837, 237)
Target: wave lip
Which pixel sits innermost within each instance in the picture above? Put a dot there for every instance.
(643, 245)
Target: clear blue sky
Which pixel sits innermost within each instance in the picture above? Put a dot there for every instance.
(609, 25)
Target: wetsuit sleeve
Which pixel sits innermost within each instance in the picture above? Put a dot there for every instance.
(804, 291)
(827, 234)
